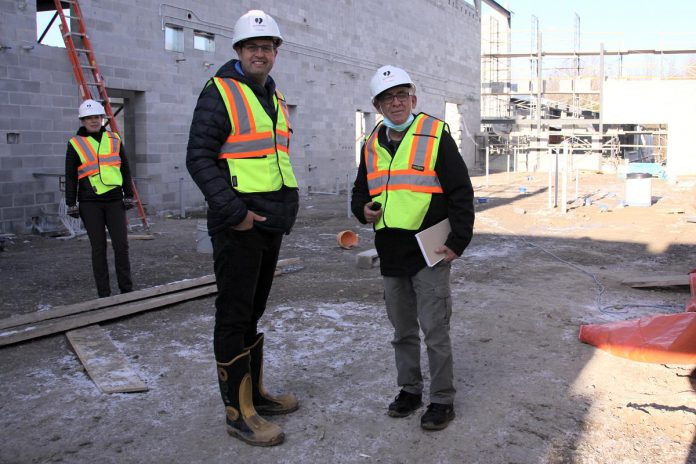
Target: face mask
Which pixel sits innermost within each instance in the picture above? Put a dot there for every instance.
(398, 127)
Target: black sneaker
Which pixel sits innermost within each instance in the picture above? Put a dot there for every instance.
(404, 404)
(437, 416)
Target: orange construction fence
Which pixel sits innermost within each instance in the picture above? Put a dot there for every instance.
(665, 338)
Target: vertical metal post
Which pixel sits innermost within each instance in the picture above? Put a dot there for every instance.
(550, 183)
(488, 150)
(508, 164)
(538, 92)
(555, 197)
(601, 96)
(564, 197)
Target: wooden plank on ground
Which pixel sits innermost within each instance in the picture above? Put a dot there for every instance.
(106, 365)
(62, 324)
(140, 237)
(61, 311)
(658, 281)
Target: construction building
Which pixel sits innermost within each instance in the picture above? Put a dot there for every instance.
(506, 110)
(154, 58)
(536, 103)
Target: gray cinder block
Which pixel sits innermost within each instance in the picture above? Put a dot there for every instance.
(366, 259)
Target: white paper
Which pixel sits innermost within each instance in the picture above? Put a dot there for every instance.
(433, 238)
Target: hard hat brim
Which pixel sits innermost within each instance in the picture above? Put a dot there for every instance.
(277, 41)
(410, 86)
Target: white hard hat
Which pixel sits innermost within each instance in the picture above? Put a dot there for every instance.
(91, 108)
(256, 23)
(387, 77)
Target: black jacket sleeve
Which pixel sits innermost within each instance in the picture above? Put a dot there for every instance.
(210, 127)
(457, 188)
(126, 174)
(72, 162)
(361, 192)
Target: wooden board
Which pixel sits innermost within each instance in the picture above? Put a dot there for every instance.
(62, 324)
(141, 237)
(105, 364)
(61, 311)
(658, 281)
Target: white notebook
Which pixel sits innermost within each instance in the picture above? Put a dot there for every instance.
(433, 238)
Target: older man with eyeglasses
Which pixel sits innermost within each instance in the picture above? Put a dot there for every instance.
(239, 156)
(411, 177)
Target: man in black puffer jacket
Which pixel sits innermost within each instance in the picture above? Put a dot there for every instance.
(238, 155)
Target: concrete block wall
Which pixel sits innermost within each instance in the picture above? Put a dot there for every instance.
(330, 52)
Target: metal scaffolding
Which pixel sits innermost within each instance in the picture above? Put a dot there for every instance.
(534, 102)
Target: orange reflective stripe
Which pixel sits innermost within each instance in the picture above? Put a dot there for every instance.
(87, 156)
(88, 173)
(230, 98)
(249, 137)
(416, 188)
(374, 151)
(248, 143)
(376, 191)
(373, 175)
(248, 154)
(86, 150)
(431, 141)
(414, 146)
(283, 105)
(252, 123)
(418, 175)
(109, 158)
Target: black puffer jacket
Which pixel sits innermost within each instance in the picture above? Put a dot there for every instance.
(210, 128)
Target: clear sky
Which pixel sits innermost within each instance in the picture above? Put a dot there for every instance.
(625, 24)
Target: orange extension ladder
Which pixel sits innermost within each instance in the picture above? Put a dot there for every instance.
(77, 58)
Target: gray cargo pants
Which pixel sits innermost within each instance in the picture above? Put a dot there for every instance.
(424, 302)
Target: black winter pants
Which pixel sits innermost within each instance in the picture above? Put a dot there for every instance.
(96, 215)
(244, 262)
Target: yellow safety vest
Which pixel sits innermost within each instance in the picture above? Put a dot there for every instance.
(404, 183)
(101, 161)
(257, 149)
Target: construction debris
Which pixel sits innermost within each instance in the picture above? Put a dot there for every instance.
(285, 266)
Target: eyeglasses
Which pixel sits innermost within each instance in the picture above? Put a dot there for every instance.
(388, 98)
(253, 48)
